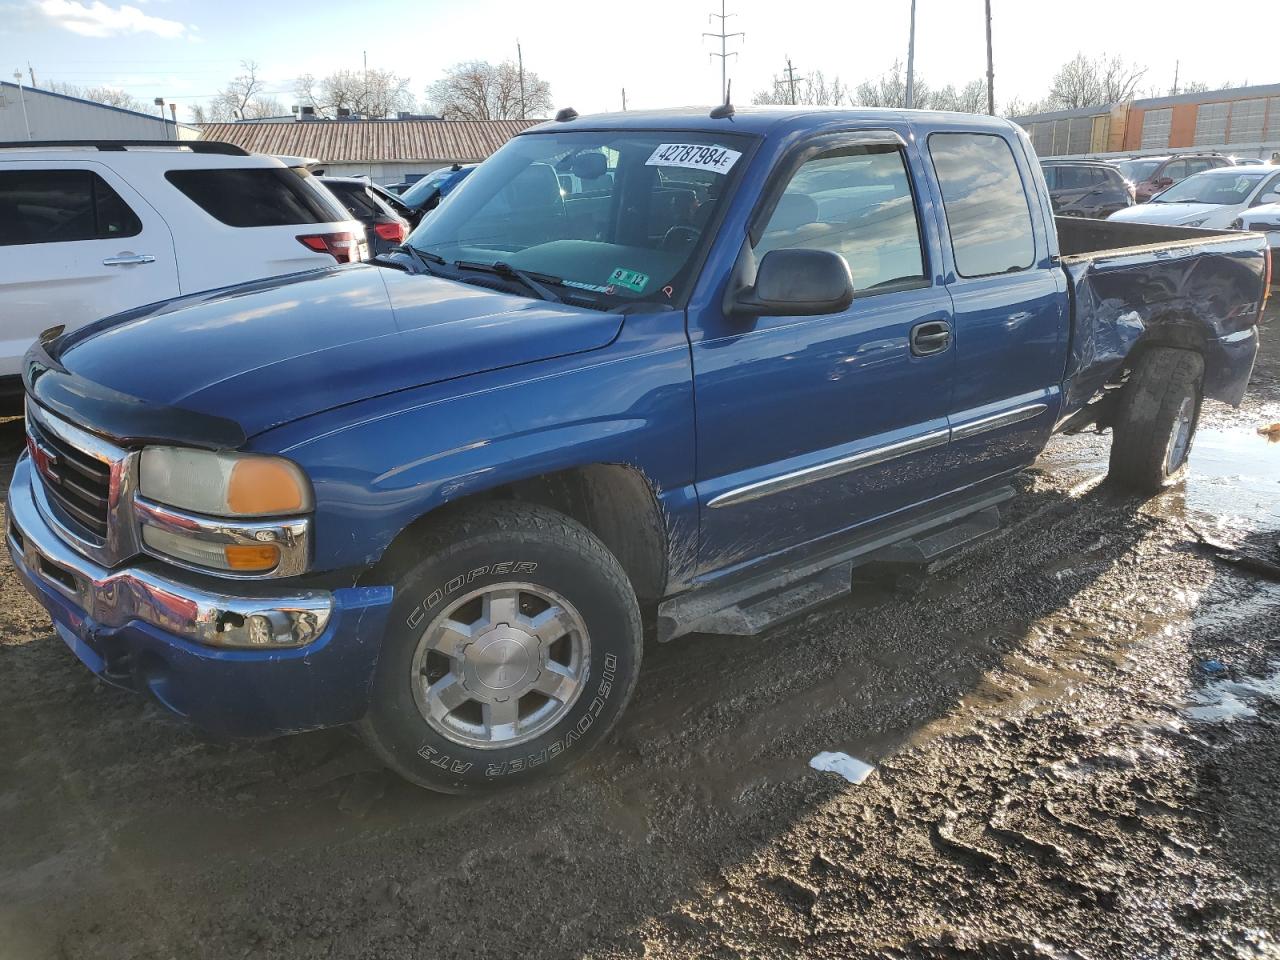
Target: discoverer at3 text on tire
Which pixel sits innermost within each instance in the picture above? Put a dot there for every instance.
(513, 647)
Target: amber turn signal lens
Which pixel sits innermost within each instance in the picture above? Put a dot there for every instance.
(252, 557)
(261, 487)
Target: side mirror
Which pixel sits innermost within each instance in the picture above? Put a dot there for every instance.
(800, 283)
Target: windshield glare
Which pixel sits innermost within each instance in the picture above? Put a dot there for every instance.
(616, 214)
(1136, 170)
(1215, 188)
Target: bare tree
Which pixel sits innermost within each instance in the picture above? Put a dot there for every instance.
(367, 93)
(971, 98)
(1017, 107)
(815, 90)
(1119, 78)
(1094, 82)
(890, 89)
(244, 98)
(107, 95)
(478, 90)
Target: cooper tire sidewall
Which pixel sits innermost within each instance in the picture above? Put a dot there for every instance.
(426, 756)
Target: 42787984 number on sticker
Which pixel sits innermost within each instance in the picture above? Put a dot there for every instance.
(693, 156)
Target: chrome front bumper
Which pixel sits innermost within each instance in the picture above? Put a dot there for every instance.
(113, 597)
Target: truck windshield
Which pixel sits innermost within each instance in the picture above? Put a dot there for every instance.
(618, 214)
(1215, 188)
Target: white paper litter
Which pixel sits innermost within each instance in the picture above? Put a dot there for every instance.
(851, 768)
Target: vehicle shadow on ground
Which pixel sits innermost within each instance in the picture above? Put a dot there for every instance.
(708, 764)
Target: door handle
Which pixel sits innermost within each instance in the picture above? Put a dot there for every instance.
(931, 337)
(125, 261)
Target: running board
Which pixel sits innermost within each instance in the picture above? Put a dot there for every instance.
(752, 605)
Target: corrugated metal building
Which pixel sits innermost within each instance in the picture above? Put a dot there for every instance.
(1244, 121)
(56, 116)
(383, 150)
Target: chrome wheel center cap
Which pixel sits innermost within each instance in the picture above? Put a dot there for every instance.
(502, 663)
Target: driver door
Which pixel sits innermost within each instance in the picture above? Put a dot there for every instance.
(808, 427)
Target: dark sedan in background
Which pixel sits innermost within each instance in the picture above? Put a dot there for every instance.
(1086, 188)
(425, 195)
(384, 224)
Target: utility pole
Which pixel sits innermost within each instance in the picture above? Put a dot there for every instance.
(32, 70)
(159, 102)
(911, 60)
(991, 73)
(791, 81)
(624, 99)
(1176, 65)
(724, 53)
(520, 61)
(17, 75)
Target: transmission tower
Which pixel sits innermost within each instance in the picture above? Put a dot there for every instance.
(724, 54)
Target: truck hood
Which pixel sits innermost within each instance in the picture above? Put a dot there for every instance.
(266, 353)
(1177, 214)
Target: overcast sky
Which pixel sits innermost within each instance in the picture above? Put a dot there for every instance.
(186, 50)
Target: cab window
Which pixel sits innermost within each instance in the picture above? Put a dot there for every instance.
(857, 202)
(985, 203)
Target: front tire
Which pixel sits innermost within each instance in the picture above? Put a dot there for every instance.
(513, 647)
(1156, 421)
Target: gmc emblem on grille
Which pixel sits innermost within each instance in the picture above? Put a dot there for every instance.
(46, 460)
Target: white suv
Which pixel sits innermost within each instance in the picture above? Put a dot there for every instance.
(90, 229)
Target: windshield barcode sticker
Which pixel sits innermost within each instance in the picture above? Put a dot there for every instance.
(694, 156)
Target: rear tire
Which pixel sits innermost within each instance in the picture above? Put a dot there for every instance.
(1156, 421)
(512, 649)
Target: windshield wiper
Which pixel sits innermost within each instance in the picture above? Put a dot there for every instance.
(424, 257)
(534, 282)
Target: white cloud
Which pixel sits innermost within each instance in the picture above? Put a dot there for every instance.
(98, 19)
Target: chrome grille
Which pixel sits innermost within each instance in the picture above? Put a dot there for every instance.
(76, 483)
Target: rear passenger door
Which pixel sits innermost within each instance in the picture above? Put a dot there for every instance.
(77, 243)
(1010, 306)
(811, 426)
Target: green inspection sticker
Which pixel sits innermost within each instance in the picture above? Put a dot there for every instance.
(631, 279)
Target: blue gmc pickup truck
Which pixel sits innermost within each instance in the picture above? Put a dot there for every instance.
(678, 369)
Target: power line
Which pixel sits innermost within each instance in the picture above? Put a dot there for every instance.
(724, 53)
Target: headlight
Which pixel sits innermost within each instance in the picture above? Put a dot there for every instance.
(1194, 223)
(1237, 224)
(234, 513)
(223, 484)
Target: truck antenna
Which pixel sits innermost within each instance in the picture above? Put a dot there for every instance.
(725, 110)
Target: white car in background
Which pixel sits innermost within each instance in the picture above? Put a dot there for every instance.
(88, 229)
(1264, 218)
(1213, 198)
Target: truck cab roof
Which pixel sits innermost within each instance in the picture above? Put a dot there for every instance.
(768, 120)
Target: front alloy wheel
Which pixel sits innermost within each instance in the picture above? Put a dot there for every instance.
(512, 648)
(501, 665)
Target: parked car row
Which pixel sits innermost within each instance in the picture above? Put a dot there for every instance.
(1190, 190)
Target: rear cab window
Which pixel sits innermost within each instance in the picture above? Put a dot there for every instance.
(257, 196)
(61, 206)
(985, 201)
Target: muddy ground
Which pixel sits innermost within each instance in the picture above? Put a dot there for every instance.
(1073, 730)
